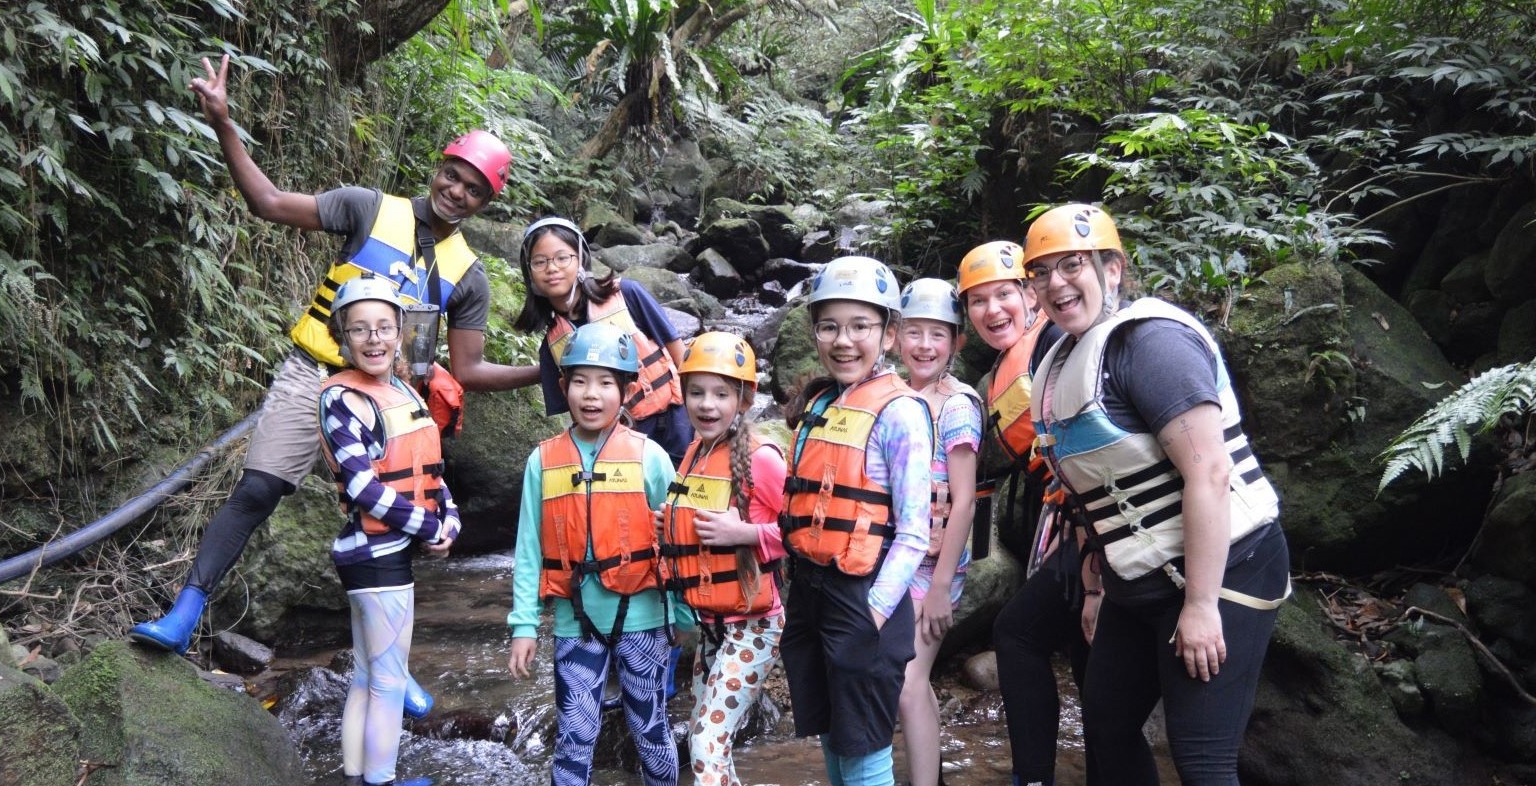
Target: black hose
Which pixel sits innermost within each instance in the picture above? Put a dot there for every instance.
(73, 543)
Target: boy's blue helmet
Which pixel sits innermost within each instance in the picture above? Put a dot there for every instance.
(602, 345)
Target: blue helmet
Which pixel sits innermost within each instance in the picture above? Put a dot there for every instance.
(602, 345)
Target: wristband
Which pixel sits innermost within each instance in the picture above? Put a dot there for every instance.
(1093, 591)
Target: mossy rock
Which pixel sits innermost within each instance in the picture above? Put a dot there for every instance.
(39, 736)
(159, 724)
(485, 463)
(794, 359)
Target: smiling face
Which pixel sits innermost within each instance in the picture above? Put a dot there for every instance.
(361, 327)
(553, 265)
(926, 346)
(458, 191)
(860, 342)
(712, 402)
(1076, 303)
(1000, 311)
(594, 395)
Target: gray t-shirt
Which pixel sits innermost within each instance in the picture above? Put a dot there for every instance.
(351, 210)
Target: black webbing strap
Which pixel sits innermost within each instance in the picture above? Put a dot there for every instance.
(794, 485)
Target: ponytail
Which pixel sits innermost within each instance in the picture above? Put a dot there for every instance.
(748, 570)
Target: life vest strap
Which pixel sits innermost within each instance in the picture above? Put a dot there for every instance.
(674, 550)
(435, 469)
(677, 488)
(794, 485)
(790, 524)
(1147, 522)
(587, 476)
(595, 566)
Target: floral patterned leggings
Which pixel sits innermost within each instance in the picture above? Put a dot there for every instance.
(727, 679)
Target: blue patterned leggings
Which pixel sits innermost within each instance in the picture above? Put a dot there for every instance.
(581, 667)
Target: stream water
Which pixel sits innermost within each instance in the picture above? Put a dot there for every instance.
(488, 728)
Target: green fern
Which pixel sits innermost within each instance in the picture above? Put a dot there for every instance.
(1473, 409)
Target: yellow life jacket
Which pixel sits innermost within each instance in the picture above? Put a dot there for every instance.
(389, 252)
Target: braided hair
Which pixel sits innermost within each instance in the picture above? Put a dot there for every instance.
(748, 569)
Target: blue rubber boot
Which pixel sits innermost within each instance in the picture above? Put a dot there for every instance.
(671, 678)
(418, 702)
(173, 632)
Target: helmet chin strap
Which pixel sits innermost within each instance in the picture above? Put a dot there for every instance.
(439, 214)
(1111, 299)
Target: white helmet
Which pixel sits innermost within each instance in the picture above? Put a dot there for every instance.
(931, 298)
(365, 287)
(863, 279)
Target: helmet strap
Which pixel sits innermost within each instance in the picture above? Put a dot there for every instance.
(1111, 299)
(439, 214)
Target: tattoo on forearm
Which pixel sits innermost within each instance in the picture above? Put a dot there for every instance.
(1186, 429)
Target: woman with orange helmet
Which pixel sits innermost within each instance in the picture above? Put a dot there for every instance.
(1140, 424)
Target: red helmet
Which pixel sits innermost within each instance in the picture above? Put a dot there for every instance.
(486, 153)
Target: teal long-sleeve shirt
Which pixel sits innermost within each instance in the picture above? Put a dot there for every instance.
(645, 610)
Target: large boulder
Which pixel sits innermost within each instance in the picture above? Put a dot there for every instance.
(494, 238)
(777, 224)
(1511, 273)
(39, 736)
(1329, 370)
(793, 358)
(664, 256)
(159, 724)
(1315, 696)
(286, 564)
(485, 464)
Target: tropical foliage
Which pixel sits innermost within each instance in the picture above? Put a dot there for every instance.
(1502, 395)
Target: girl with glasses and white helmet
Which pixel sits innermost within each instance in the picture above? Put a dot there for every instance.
(586, 542)
(563, 295)
(855, 524)
(1136, 414)
(385, 453)
(930, 336)
(721, 544)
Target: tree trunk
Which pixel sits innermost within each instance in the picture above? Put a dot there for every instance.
(392, 22)
(617, 122)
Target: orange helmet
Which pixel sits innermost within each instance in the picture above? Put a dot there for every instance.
(718, 352)
(1071, 227)
(999, 260)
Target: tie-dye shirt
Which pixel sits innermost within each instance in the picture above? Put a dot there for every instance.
(959, 425)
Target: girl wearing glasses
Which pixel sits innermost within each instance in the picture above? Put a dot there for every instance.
(1042, 616)
(384, 451)
(929, 338)
(563, 295)
(855, 524)
(1137, 417)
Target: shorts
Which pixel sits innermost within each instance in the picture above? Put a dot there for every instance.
(286, 441)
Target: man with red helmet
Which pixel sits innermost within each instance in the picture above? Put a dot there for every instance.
(415, 244)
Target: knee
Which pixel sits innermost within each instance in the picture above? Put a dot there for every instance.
(259, 491)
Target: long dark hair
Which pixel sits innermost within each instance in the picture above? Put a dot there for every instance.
(538, 313)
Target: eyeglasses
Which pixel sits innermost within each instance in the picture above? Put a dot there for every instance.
(559, 262)
(384, 332)
(1039, 276)
(827, 331)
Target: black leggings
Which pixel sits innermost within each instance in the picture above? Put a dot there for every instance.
(1132, 666)
(1035, 623)
(248, 507)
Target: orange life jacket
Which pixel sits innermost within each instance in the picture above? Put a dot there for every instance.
(659, 387)
(707, 575)
(1008, 396)
(623, 544)
(413, 461)
(834, 514)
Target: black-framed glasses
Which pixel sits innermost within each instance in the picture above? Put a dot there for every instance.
(827, 330)
(559, 261)
(384, 332)
(1039, 275)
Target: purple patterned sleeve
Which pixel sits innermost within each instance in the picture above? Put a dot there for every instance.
(354, 446)
(899, 458)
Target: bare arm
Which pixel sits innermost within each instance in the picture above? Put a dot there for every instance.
(466, 353)
(937, 612)
(263, 198)
(1193, 442)
(675, 349)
